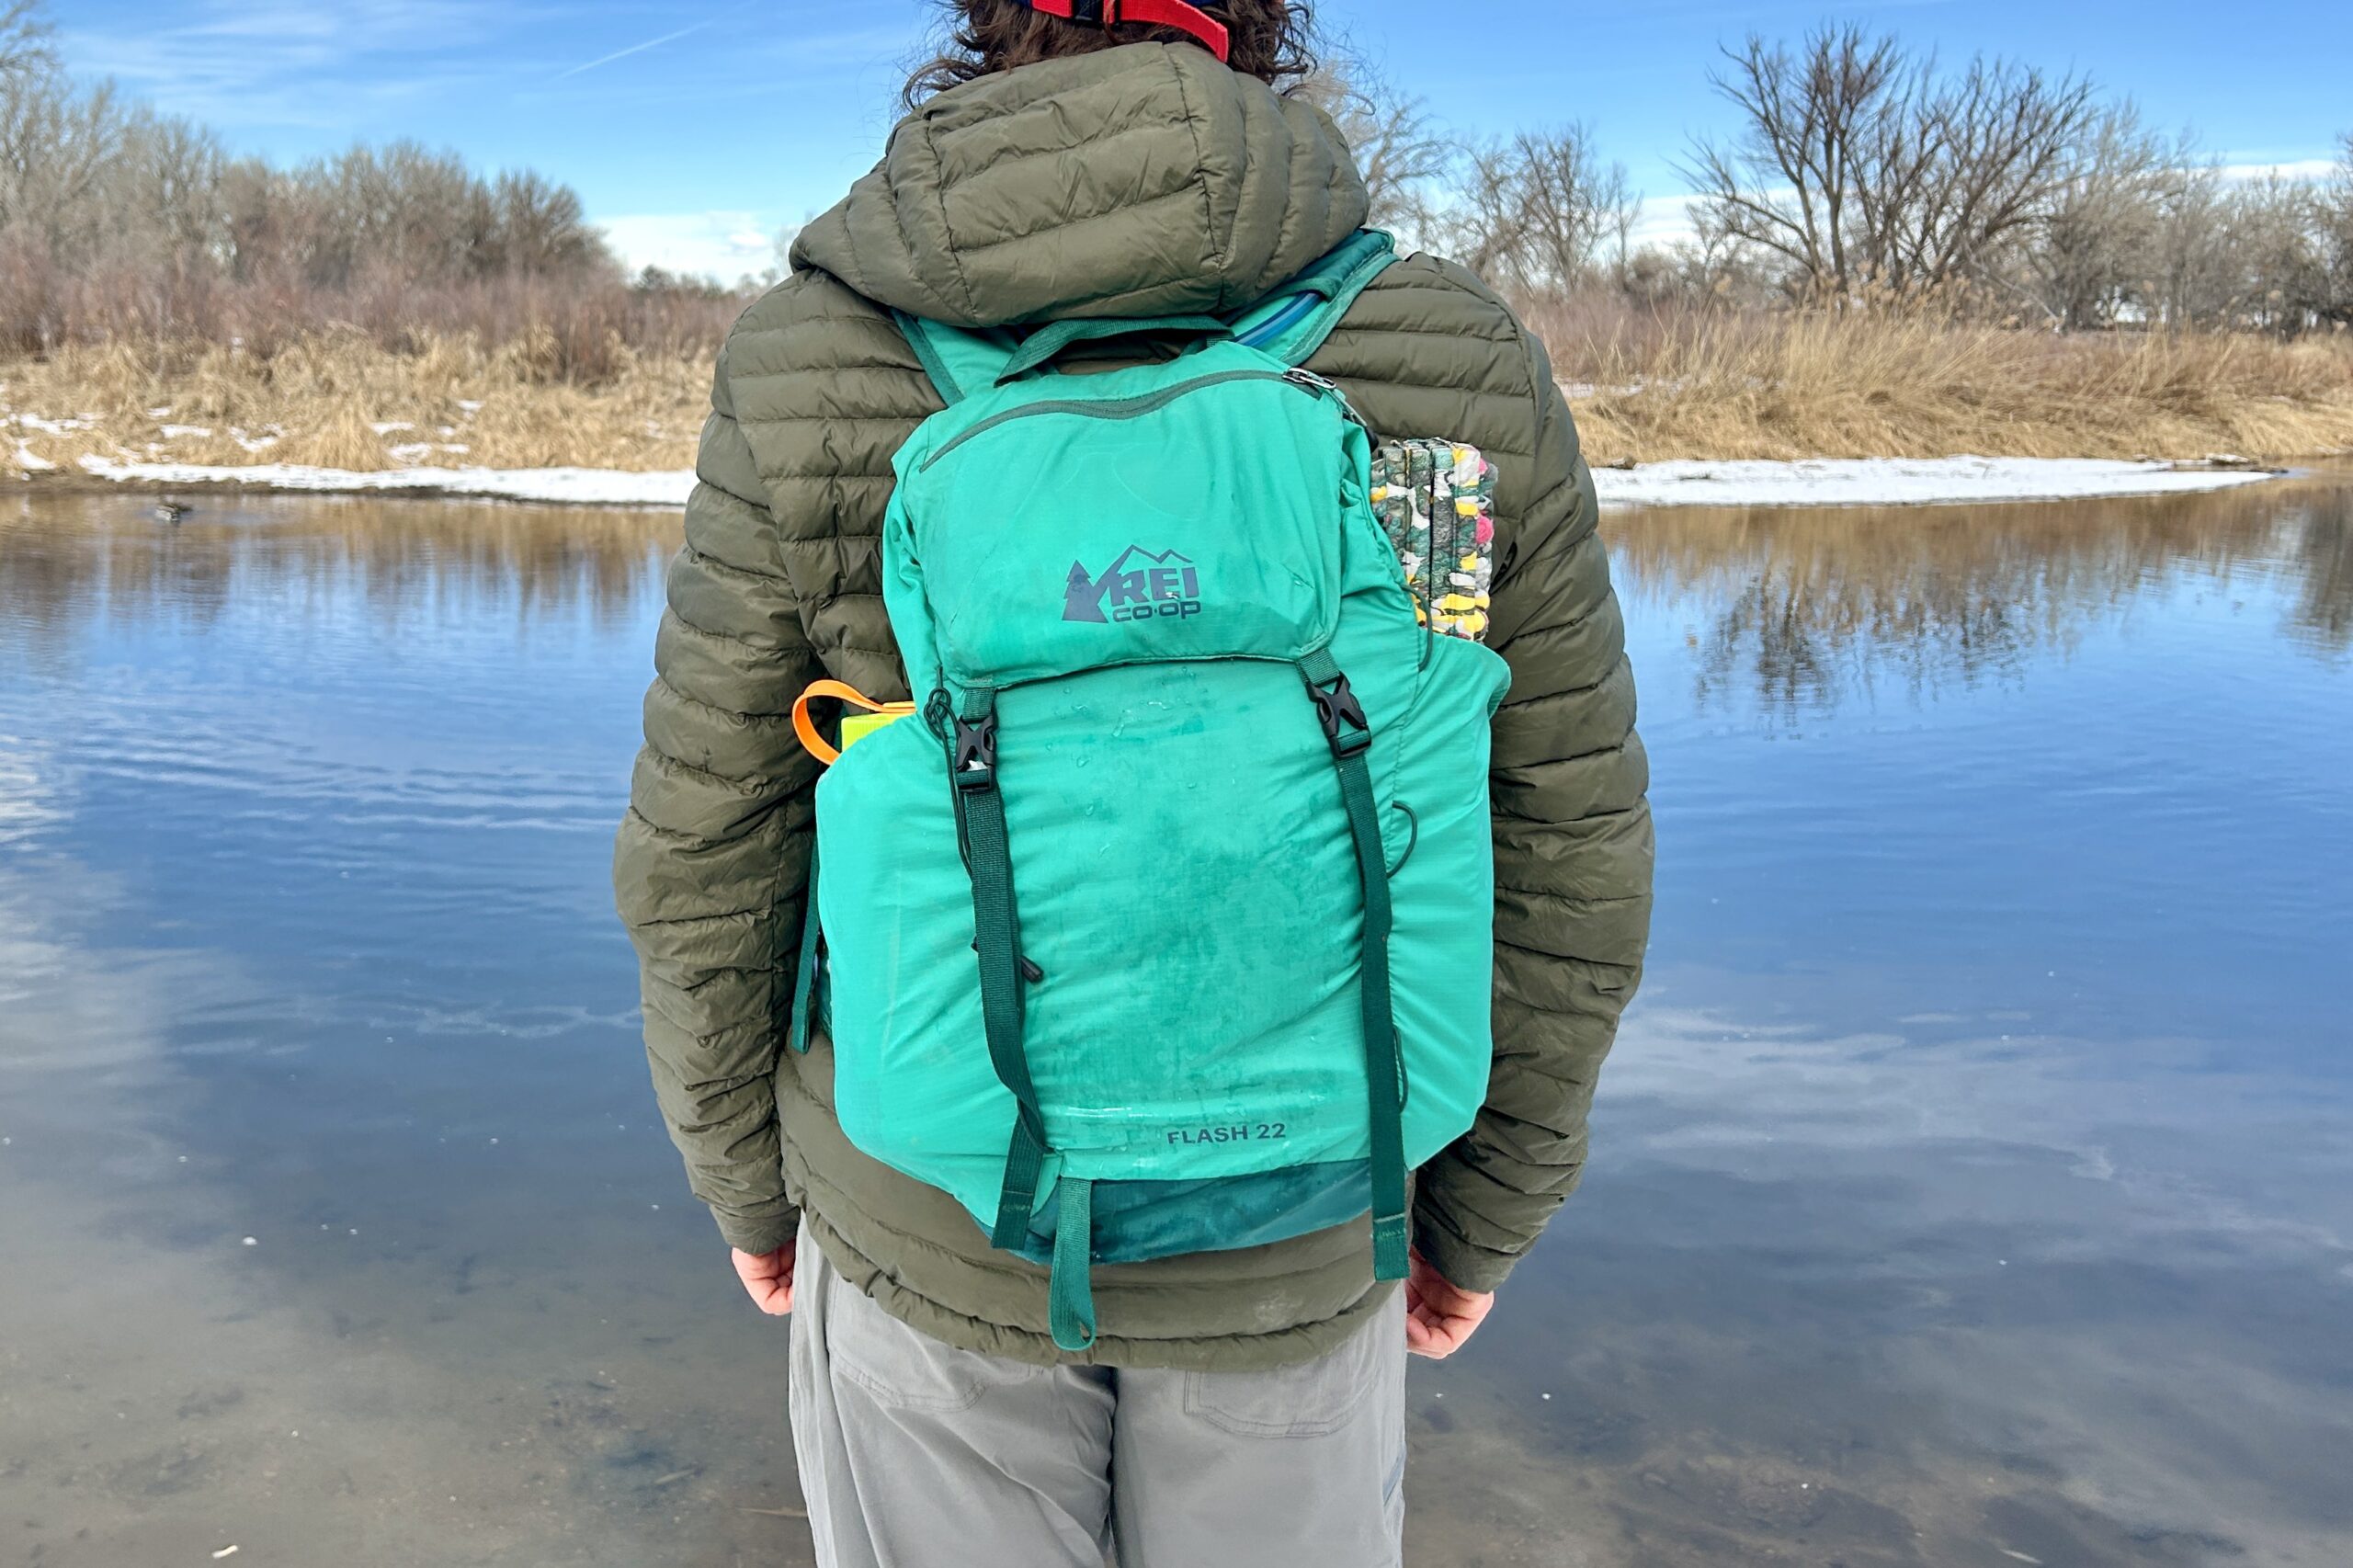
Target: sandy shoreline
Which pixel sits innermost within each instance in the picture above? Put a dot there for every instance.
(1858, 482)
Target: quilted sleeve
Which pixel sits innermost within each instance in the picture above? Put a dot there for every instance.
(711, 861)
(1573, 862)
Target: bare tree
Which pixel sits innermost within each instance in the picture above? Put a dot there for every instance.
(541, 229)
(2088, 262)
(1399, 148)
(25, 49)
(1540, 211)
(114, 217)
(2334, 211)
(2192, 278)
(55, 148)
(1859, 165)
(2001, 142)
(2281, 270)
(1787, 184)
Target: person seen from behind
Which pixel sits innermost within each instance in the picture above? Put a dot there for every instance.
(1141, 845)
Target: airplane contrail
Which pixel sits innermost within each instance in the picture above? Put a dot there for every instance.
(649, 43)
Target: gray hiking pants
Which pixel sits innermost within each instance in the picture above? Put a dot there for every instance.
(917, 1455)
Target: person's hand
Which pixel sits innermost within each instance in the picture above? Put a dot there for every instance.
(768, 1278)
(1440, 1316)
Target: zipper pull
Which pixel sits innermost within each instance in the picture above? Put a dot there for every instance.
(1309, 380)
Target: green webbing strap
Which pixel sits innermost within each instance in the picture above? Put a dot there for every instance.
(1346, 728)
(959, 360)
(1290, 323)
(804, 994)
(980, 815)
(1070, 1299)
(917, 332)
(1052, 339)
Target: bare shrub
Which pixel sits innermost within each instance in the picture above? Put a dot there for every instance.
(117, 223)
(2280, 272)
(1681, 382)
(2334, 210)
(339, 399)
(2087, 262)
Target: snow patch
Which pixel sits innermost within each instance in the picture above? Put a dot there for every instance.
(1902, 481)
(570, 486)
(1860, 482)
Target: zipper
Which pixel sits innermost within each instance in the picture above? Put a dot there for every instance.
(1149, 402)
(1322, 388)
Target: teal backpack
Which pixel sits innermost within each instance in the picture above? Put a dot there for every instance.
(1165, 924)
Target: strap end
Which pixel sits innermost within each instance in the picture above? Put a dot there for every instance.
(1391, 1246)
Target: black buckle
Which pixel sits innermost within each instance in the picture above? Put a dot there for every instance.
(1336, 705)
(975, 756)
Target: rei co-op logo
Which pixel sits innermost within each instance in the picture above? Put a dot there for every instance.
(1142, 584)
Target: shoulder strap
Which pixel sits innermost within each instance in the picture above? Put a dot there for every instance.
(960, 361)
(1290, 324)
(1293, 323)
(1042, 344)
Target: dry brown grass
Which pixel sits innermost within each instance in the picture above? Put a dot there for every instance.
(1647, 387)
(1728, 386)
(338, 400)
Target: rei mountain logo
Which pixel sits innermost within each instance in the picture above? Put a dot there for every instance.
(1142, 584)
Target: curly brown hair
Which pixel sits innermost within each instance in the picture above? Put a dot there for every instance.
(1271, 39)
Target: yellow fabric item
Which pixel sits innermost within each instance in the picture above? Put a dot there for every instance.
(854, 727)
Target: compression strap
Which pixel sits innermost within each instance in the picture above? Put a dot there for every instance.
(1350, 734)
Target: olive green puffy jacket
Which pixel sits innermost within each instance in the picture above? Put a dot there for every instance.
(1146, 180)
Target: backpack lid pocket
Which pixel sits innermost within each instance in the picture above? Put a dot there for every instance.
(1192, 516)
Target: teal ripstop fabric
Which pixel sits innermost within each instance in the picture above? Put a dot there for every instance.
(1155, 182)
(1188, 876)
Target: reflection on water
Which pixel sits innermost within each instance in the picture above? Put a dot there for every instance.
(1973, 1185)
(69, 559)
(1793, 618)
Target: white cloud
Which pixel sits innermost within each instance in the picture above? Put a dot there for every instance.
(721, 244)
(238, 64)
(1666, 220)
(2296, 168)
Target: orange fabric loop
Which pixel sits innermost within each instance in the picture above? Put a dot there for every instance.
(841, 691)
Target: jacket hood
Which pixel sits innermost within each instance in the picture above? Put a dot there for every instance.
(1145, 180)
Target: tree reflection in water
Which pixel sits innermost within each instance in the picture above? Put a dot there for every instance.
(1793, 611)
(66, 560)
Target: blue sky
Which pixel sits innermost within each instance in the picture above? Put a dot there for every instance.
(695, 131)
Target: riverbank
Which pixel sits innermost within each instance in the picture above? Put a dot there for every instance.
(1721, 411)
(1823, 482)
(1783, 386)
